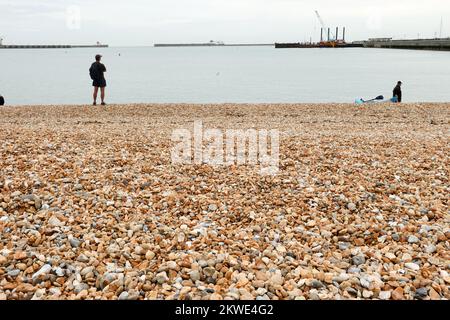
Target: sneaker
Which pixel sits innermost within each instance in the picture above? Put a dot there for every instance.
(103, 104)
(94, 104)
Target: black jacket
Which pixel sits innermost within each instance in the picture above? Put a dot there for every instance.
(97, 70)
(398, 92)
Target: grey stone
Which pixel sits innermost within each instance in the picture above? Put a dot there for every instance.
(74, 242)
(81, 287)
(413, 239)
(15, 194)
(195, 275)
(430, 249)
(317, 284)
(341, 278)
(358, 260)
(59, 272)
(354, 269)
(14, 273)
(313, 295)
(421, 293)
(365, 283)
(344, 245)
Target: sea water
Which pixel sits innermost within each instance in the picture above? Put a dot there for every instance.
(223, 74)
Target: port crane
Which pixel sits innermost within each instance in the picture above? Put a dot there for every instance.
(323, 24)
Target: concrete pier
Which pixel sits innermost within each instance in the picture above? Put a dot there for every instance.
(51, 46)
(442, 44)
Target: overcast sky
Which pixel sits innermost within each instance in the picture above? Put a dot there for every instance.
(145, 22)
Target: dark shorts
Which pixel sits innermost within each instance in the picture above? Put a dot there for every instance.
(99, 83)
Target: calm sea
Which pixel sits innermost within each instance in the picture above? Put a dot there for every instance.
(224, 74)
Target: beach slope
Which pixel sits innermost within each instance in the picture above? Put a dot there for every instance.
(92, 207)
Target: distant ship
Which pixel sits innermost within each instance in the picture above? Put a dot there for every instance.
(211, 43)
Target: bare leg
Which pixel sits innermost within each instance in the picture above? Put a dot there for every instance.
(95, 94)
(103, 94)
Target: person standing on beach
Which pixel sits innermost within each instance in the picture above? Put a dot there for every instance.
(96, 72)
(397, 93)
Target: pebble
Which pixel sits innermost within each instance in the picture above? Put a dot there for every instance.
(121, 222)
(161, 277)
(317, 284)
(354, 269)
(434, 295)
(54, 292)
(80, 287)
(413, 239)
(55, 222)
(124, 296)
(74, 242)
(365, 283)
(421, 293)
(14, 273)
(390, 256)
(397, 294)
(412, 266)
(45, 269)
(276, 280)
(83, 258)
(20, 255)
(209, 272)
(194, 275)
(384, 295)
(430, 249)
(39, 294)
(358, 260)
(212, 207)
(59, 272)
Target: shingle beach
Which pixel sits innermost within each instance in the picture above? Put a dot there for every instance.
(91, 206)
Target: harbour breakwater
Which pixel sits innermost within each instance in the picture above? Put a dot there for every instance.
(14, 46)
(439, 44)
